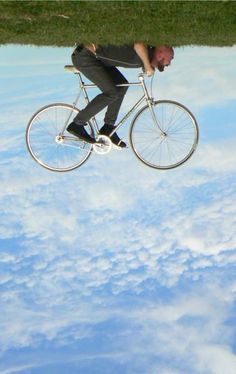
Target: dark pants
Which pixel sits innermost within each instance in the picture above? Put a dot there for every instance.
(105, 78)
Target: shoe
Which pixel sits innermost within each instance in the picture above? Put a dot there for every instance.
(106, 130)
(80, 132)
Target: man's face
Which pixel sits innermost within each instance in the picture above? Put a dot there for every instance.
(163, 57)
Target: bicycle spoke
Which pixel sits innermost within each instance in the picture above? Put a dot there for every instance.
(149, 145)
(180, 128)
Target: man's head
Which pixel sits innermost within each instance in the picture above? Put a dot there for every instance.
(162, 56)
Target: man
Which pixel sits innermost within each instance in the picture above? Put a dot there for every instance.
(98, 64)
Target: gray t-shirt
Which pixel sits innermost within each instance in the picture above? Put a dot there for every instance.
(124, 56)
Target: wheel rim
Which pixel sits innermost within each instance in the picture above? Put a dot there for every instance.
(49, 146)
(171, 147)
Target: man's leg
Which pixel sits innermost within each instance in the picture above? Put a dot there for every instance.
(105, 78)
(114, 107)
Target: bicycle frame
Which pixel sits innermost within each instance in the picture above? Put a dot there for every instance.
(145, 97)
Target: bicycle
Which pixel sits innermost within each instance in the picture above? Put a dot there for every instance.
(163, 134)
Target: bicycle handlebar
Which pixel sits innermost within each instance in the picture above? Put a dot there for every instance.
(145, 74)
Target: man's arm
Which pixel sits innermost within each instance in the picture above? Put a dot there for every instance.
(142, 52)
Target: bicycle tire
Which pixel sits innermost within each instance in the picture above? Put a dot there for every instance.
(155, 140)
(41, 135)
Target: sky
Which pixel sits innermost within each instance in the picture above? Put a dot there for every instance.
(117, 268)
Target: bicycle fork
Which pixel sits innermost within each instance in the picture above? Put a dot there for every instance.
(150, 102)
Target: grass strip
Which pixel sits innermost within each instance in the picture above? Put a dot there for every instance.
(64, 23)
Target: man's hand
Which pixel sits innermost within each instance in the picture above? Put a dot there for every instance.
(149, 70)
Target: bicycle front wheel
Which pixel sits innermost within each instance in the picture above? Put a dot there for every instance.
(169, 140)
(50, 144)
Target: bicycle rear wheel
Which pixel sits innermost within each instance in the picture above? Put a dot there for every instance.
(175, 146)
(50, 144)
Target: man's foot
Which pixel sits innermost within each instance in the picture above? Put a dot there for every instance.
(80, 132)
(106, 130)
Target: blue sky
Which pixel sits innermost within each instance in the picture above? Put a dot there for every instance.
(116, 267)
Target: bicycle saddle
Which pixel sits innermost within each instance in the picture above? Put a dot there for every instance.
(71, 68)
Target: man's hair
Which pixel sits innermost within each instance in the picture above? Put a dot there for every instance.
(167, 48)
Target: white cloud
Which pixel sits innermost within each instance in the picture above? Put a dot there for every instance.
(186, 332)
(158, 334)
(218, 157)
(215, 359)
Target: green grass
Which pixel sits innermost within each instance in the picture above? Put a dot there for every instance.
(64, 23)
